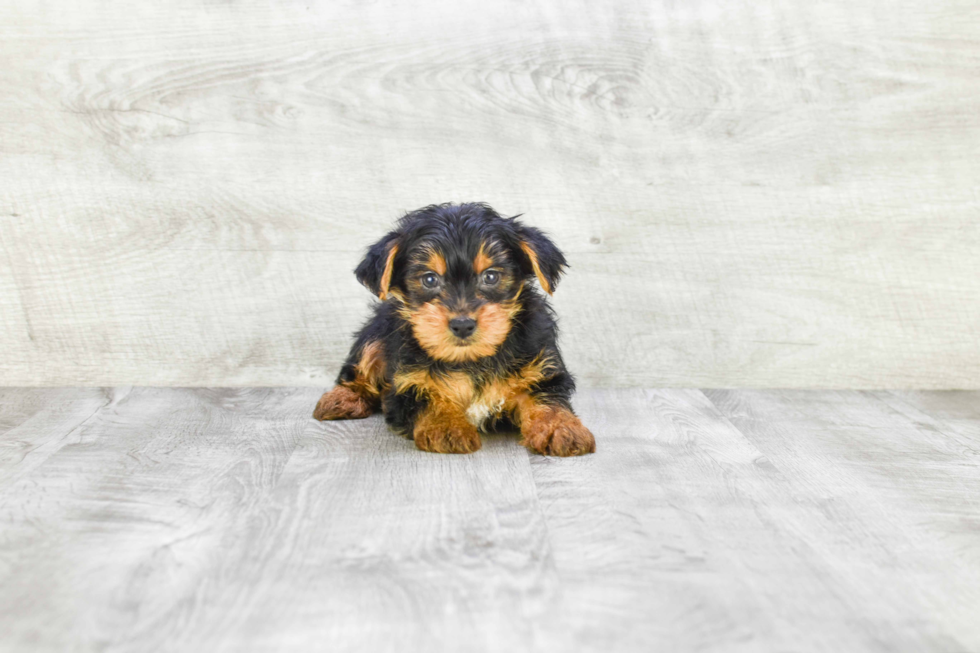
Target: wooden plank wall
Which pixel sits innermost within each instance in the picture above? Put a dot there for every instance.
(750, 193)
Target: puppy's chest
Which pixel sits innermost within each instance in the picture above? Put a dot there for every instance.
(488, 401)
(479, 401)
(482, 409)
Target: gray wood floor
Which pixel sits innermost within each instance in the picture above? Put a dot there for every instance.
(228, 520)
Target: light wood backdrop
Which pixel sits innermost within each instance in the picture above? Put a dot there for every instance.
(750, 193)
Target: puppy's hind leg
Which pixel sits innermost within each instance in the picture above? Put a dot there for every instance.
(342, 403)
(358, 391)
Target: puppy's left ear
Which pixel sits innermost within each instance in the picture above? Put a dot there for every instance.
(376, 269)
(542, 257)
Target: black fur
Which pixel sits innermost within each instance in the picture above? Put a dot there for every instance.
(458, 231)
(550, 258)
(369, 270)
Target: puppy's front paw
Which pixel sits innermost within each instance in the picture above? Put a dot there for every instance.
(556, 431)
(441, 434)
(342, 403)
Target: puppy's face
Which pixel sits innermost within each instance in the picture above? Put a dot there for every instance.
(457, 274)
(461, 297)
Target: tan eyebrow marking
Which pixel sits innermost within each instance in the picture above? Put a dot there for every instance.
(436, 263)
(482, 261)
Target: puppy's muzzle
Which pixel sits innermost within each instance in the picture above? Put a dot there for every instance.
(462, 327)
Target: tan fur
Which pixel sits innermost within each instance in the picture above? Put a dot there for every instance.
(361, 397)
(456, 409)
(370, 371)
(430, 324)
(454, 388)
(386, 275)
(441, 428)
(457, 391)
(482, 261)
(395, 294)
(493, 323)
(552, 430)
(532, 255)
(342, 403)
(436, 263)
(507, 389)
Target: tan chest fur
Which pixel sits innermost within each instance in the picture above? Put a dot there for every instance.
(456, 390)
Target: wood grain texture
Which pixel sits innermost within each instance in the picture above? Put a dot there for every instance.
(902, 493)
(188, 520)
(692, 534)
(34, 424)
(229, 520)
(750, 194)
(154, 486)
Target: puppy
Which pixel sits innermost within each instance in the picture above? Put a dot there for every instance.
(461, 342)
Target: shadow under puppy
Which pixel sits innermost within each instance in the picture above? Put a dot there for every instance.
(462, 341)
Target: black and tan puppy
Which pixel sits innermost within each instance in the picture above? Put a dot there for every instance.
(462, 342)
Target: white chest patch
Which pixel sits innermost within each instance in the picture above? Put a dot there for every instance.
(480, 410)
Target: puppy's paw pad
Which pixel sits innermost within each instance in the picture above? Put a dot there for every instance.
(437, 438)
(557, 432)
(342, 403)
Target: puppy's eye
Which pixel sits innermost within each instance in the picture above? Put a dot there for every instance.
(491, 277)
(430, 280)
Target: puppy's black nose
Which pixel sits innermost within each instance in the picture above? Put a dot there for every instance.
(463, 327)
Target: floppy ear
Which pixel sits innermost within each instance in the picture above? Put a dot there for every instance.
(376, 269)
(542, 257)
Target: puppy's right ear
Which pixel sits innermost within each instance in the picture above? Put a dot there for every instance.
(378, 265)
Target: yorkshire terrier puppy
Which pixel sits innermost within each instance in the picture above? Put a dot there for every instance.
(461, 342)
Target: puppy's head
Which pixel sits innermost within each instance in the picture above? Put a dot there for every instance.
(457, 273)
